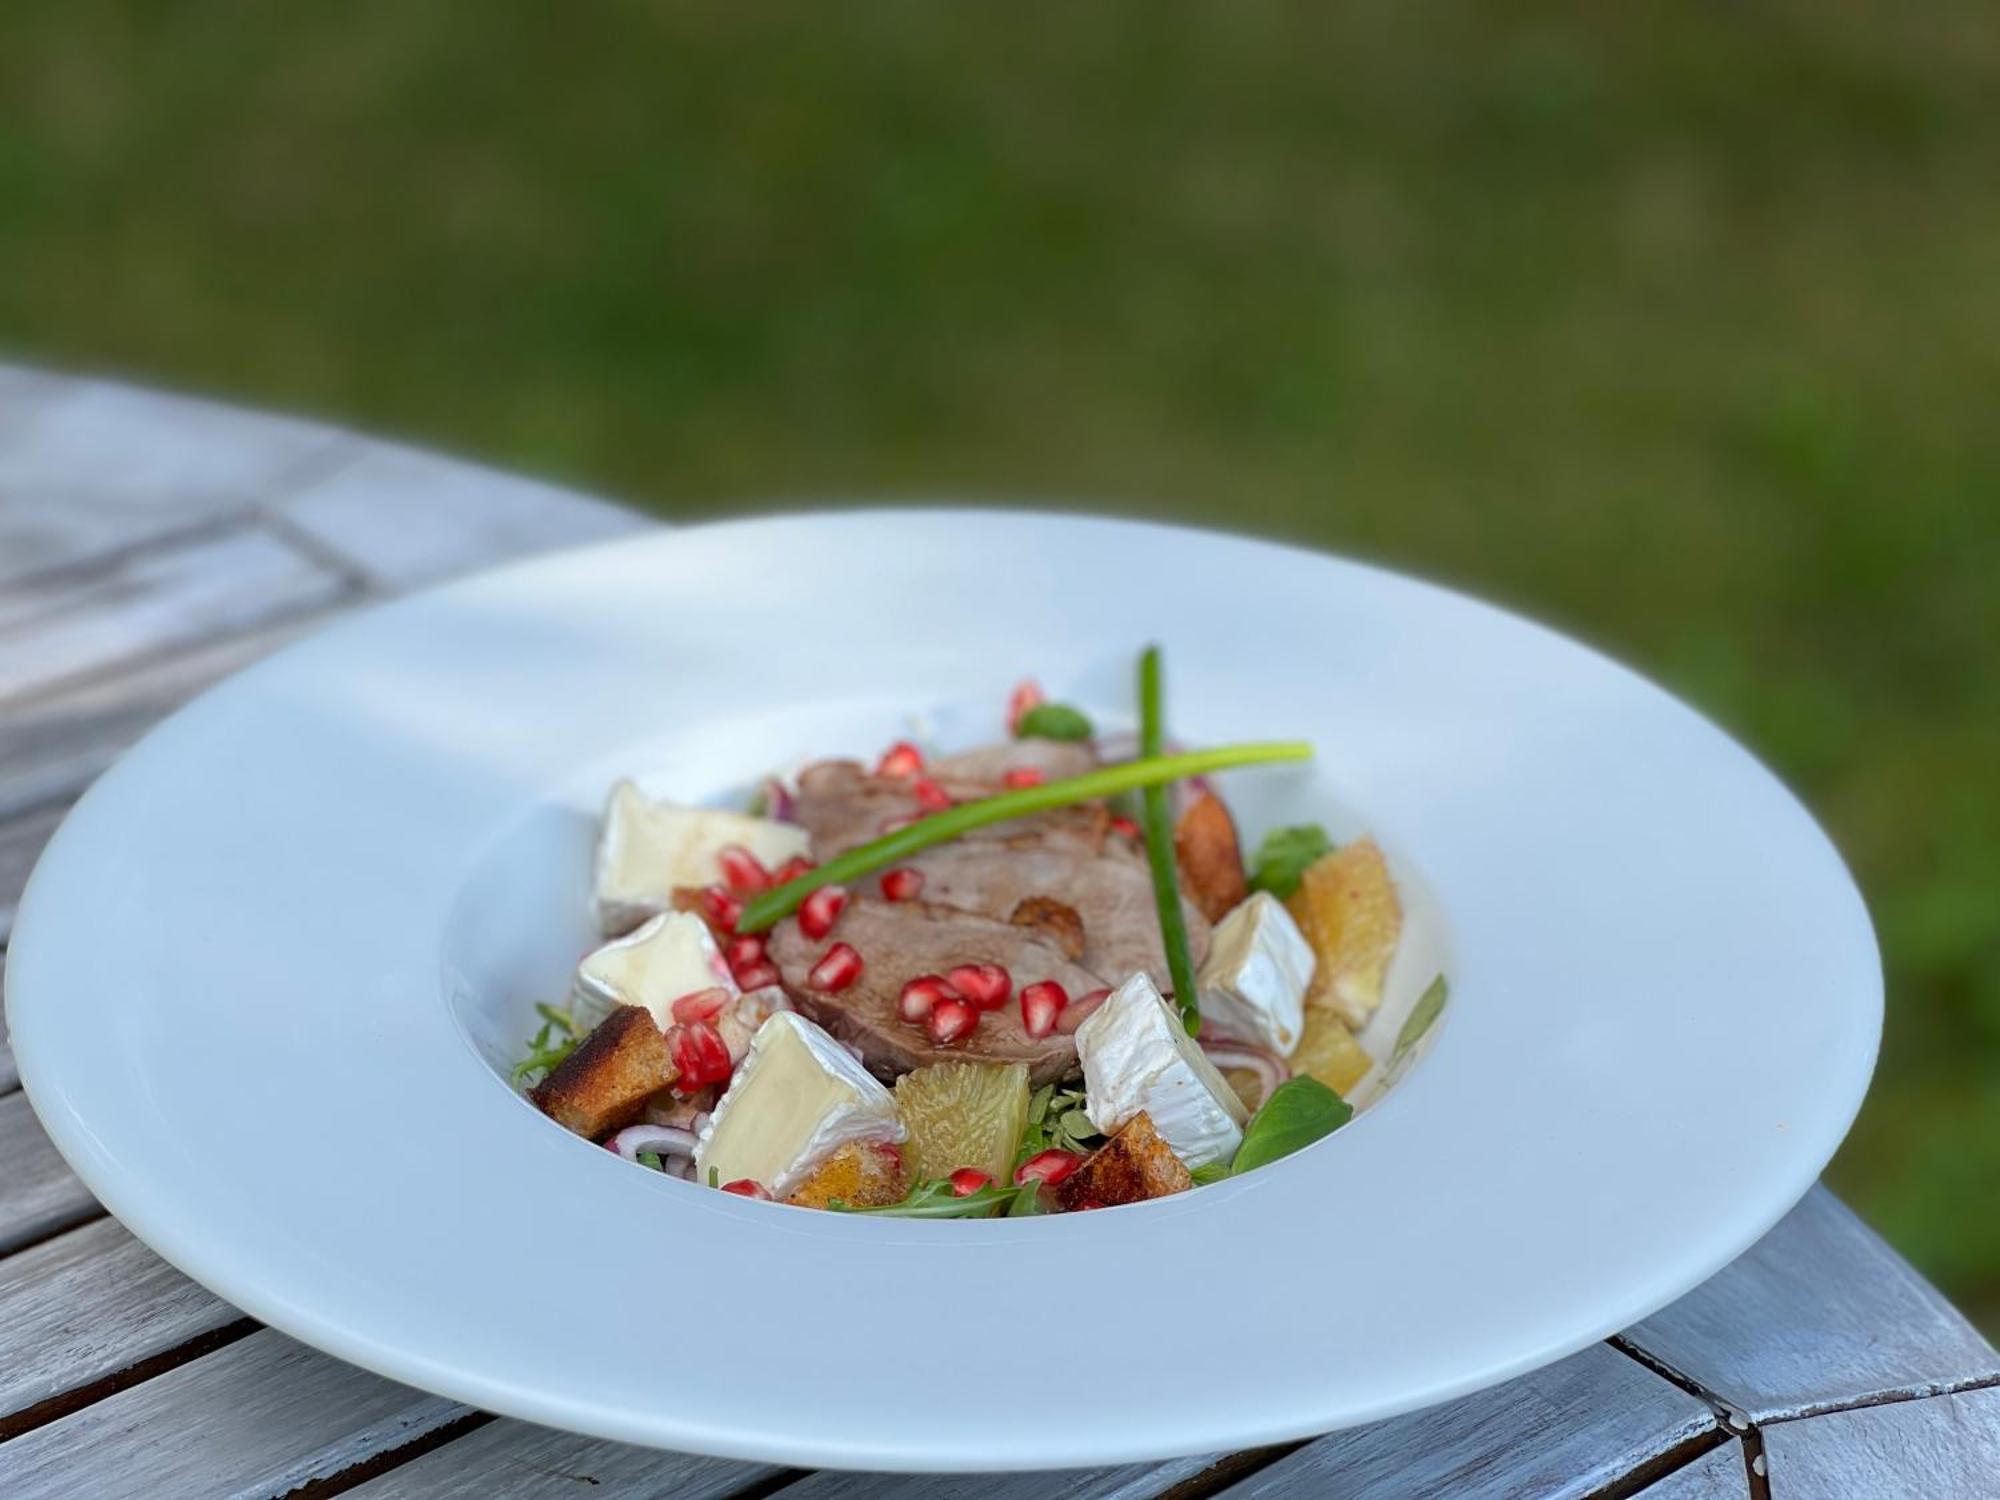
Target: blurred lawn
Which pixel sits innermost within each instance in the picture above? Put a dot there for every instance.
(1680, 327)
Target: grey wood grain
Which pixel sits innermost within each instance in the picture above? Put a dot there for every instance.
(506, 1460)
(1570, 1429)
(258, 1417)
(21, 841)
(1819, 1314)
(55, 744)
(38, 1193)
(1127, 1482)
(83, 1307)
(402, 517)
(90, 467)
(1719, 1474)
(10, 1076)
(1936, 1448)
(59, 627)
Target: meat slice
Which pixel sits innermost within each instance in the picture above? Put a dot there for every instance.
(842, 805)
(1055, 759)
(1111, 895)
(898, 941)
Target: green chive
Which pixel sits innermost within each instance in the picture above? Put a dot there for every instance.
(1160, 850)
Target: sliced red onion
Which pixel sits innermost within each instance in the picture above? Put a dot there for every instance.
(778, 802)
(662, 1140)
(1271, 1069)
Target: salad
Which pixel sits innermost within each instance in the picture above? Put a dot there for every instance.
(1034, 977)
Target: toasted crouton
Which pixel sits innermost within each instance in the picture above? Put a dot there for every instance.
(859, 1175)
(1211, 861)
(1135, 1164)
(607, 1082)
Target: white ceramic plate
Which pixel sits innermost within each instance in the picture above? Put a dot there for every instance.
(261, 977)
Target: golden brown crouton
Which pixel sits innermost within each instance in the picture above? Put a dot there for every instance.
(861, 1176)
(1210, 859)
(1135, 1164)
(1056, 922)
(607, 1082)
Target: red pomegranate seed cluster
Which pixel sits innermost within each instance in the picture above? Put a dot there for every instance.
(838, 967)
(1125, 826)
(702, 1005)
(902, 884)
(749, 963)
(748, 1187)
(920, 997)
(791, 870)
(1047, 1167)
(985, 985)
(1042, 1003)
(700, 1055)
(930, 796)
(819, 911)
(1023, 776)
(951, 1020)
(968, 1180)
(742, 871)
(900, 759)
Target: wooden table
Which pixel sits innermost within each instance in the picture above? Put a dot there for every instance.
(150, 544)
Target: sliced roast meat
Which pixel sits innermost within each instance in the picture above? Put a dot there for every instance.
(899, 941)
(990, 764)
(1111, 895)
(841, 804)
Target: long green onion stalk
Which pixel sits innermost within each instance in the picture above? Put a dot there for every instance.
(1158, 824)
(941, 827)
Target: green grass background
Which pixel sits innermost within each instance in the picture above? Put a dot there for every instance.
(1676, 325)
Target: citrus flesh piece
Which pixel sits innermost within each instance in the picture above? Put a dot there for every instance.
(963, 1115)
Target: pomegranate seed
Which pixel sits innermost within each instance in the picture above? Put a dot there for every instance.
(1040, 1005)
(739, 951)
(968, 1180)
(891, 1153)
(791, 870)
(1049, 1167)
(952, 1019)
(930, 796)
(758, 976)
(702, 1005)
(900, 759)
(1125, 826)
(1023, 776)
(1027, 694)
(722, 910)
(921, 995)
(742, 871)
(985, 985)
(903, 884)
(701, 1057)
(819, 911)
(1080, 1009)
(748, 1187)
(837, 969)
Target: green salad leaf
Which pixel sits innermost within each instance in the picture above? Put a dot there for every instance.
(1300, 1111)
(1053, 721)
(936, 1200)
(1430, 1004)
(1285, 855)
(1207, 1172)
(1056, 1121)
(548, 1046)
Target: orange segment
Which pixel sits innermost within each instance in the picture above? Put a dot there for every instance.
(963, 1115)
(858, 1175)
(1328, 1051)
(1347, 908)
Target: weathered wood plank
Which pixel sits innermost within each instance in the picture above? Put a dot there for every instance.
(21, 841)
(1128, 1482)
(1820, 1314)
(59, 627)
(1937, 1448)
(38, 1193)
(91, 467)
(54, 745)
(507, 1460)
(1570, 1429)
(77, 1310)
(258, 1417)
(10, 1076)
(403, 517)
(1719, 1474)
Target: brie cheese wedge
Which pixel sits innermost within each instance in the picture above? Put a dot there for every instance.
(1137, 1056)
(798, 1098)
(1254, 981)
(670, 956)
(647, 848)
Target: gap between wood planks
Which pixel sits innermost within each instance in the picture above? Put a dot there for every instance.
(64, 1402)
